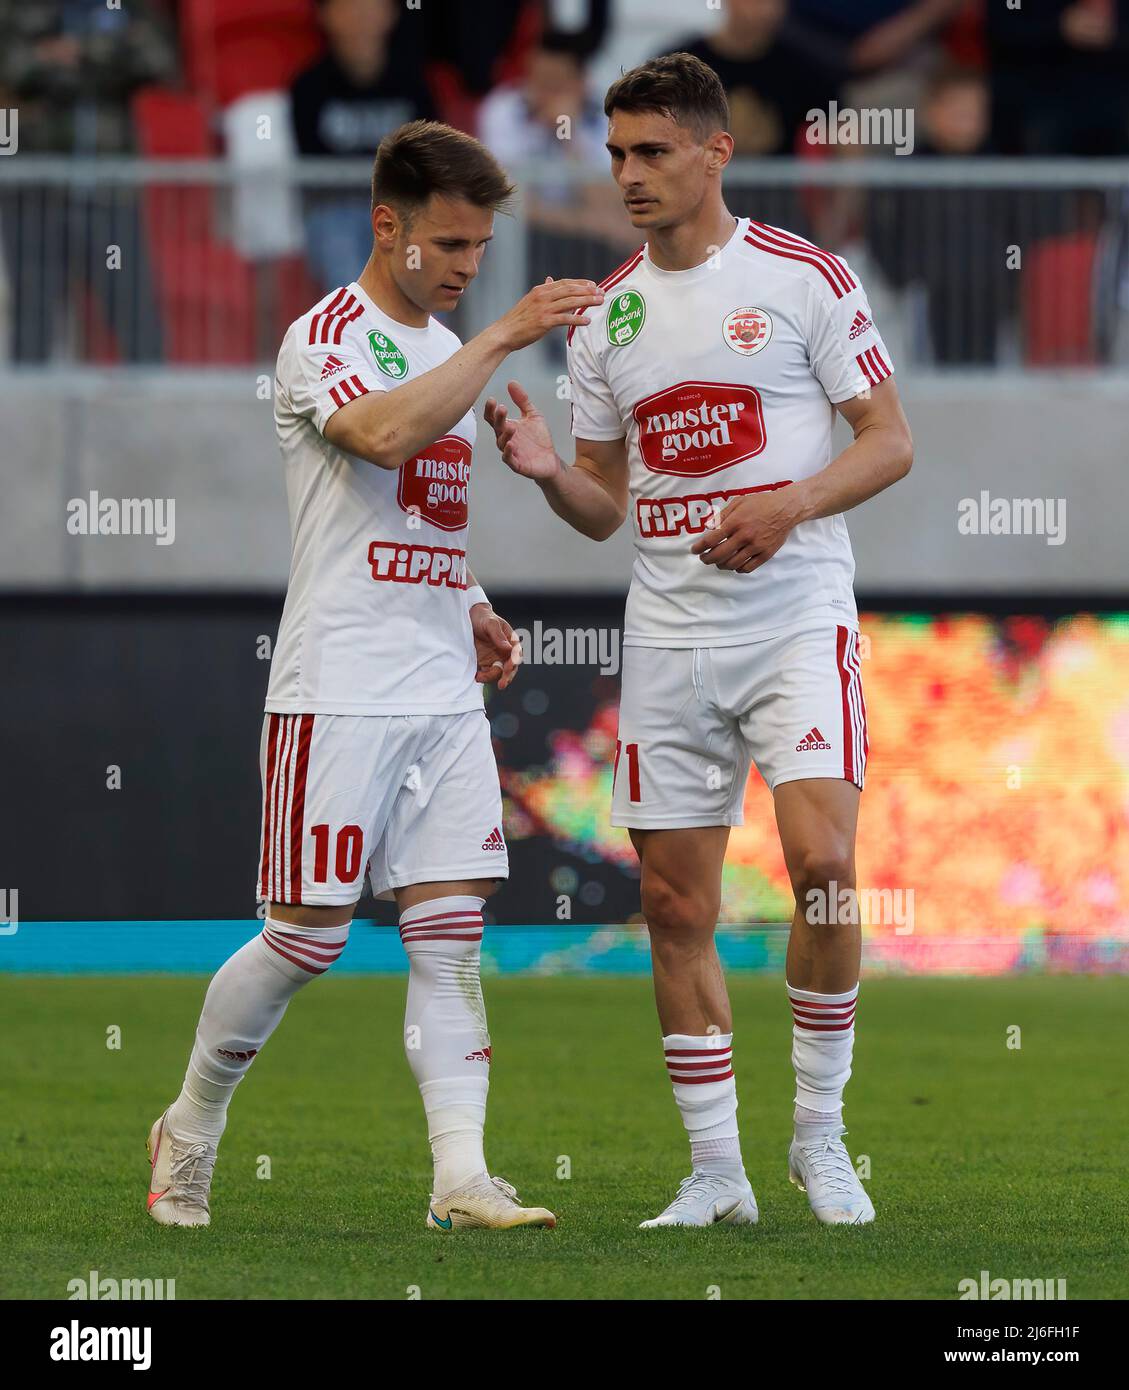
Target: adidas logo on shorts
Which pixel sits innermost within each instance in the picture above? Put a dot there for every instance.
(494, 841)
(812, 742)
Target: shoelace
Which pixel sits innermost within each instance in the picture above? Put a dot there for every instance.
(830, 1162)
(697, 1182)
(191, 1171)
(508, 1188)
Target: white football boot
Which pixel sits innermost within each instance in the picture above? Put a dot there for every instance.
(486, 1203)
(823, 1169)
(181, 1177)
(708, 1199)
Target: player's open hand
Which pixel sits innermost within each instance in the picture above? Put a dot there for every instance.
(749, 531)
(555, 304)
(525, 443)
(497, 650)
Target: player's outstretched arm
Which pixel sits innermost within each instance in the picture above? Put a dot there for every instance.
(388, 427)
(591, 495)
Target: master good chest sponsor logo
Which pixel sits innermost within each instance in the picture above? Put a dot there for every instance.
(699, 427)
(435, 483)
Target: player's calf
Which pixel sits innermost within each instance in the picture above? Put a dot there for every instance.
(246, 999)
(447, 1044)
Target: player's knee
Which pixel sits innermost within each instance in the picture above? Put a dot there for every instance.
(303, 951)
(674, 916)
(821, 878)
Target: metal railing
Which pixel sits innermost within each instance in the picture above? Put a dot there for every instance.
(983, 264)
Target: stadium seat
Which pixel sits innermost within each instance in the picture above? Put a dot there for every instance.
(232, 47)
(204, 288)
(1058, 302)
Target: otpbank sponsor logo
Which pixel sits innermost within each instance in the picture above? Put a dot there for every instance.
(417, 564)
(699, 427)
(692, 514)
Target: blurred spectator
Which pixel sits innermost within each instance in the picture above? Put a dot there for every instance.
(473, 48)
(369, 83)
(552, 121)
(70, 67)
(773, 75)
(1060, 77)
(949, 241)
(876, 34)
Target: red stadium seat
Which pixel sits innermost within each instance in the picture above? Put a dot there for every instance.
(232, 47)
(1058, 302)
(204, 288)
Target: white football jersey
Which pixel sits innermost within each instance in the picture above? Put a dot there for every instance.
(721, 379)
(375, 620)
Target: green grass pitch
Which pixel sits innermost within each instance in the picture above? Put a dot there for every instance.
(982, 1156)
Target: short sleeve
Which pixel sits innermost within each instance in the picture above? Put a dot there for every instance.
(594, 411)
(324, 364)
(845, 349)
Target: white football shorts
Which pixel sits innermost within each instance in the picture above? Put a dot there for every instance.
(691, 720)
(409, 798)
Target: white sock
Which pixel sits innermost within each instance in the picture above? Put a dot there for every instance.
(701, 1071)
(445, 1034)
(245, 1001)
(823, 1036)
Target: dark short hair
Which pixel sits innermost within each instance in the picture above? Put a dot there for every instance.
(677, 85)
(426, 157)
(563, 44)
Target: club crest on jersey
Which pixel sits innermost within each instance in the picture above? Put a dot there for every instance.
(435, 484)
(747, 330)
(699, 427)
(389, 358)
(626, 318)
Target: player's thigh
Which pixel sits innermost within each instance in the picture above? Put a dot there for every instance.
(680, 876)
(329, 785)
(680, 763)
(800, 704)
(446, 823)
(412, 894)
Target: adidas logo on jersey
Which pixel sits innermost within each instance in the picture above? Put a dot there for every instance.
(812, 742)
(332, 366)
(859, 326)
(482, 1054)
(494, 841)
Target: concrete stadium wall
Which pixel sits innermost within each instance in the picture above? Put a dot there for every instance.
(206, 440)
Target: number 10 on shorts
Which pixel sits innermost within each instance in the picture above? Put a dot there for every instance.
(348, 846)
